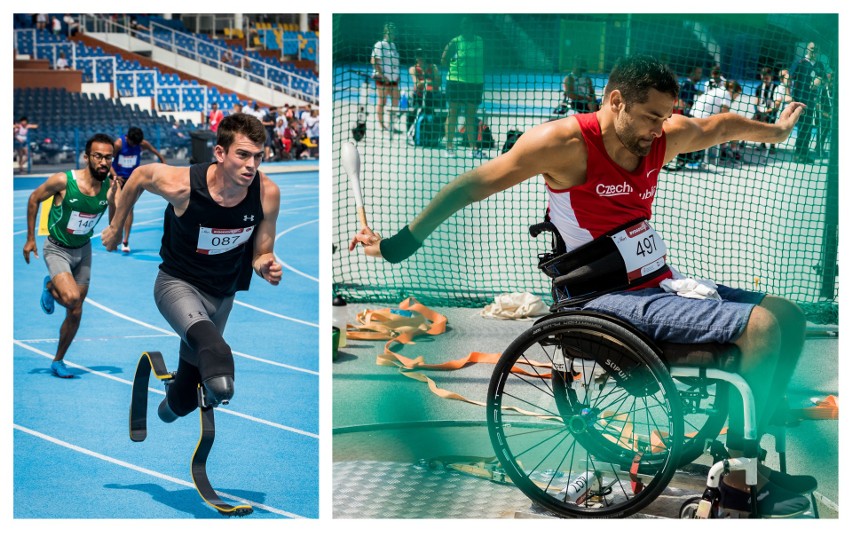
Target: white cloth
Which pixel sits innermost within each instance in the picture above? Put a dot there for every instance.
(699, 289)
(515, 305)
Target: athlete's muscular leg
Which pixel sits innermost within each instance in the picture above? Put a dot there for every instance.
(71, 296)
(381, 96)
(452, 123)
(760, 344)
(792, 323)
(470, 126)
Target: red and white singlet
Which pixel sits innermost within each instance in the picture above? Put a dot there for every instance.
(611, 196)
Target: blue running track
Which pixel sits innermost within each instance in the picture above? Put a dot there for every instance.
(73, 457)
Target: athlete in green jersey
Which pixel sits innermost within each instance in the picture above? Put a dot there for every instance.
(80, 197)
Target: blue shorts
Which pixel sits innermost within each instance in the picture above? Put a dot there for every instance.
(667, 317)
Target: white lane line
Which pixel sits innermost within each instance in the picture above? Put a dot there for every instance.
(97, 339)
(163, 393)
(142, 470)
(270, 313)
(294, 209)
(173, 334)
(283, 263)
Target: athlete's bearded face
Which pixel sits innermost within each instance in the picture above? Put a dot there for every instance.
(100, 159)
(638, 124)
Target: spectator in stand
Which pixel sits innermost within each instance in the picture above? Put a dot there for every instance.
(237, 108)
(289, 111)
(765, 102)
(311, 124)
(61, 62)
(714, 102)
(806, 89)
(227, 57)
(716, 79)
(74, 27)
(427, 81)
(464, 57)
(281, 148)
(55, 25)
(136, 26)
(41, 21)
(783, 96)
(255, 111)
(22, 131)
(825, 105)
(214, 117)
(294, 133)
(689, 91)
(269, 119)
(578, 90)
(385, 61)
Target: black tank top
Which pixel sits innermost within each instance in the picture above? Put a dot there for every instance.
(211, 246)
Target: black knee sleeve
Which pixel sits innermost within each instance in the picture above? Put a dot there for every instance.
(215, 362)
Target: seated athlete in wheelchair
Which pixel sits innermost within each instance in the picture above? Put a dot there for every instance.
(609, 386)
(583, 413)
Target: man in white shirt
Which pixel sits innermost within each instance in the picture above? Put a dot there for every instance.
(714, 102)
(385, 61)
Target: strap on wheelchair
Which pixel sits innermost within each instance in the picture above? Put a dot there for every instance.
(591, 270)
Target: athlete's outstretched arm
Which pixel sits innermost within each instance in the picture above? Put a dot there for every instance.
(171, 183)
(264, 263)
(684, 135)
(150, 147)
(55, 184)
(533, 154)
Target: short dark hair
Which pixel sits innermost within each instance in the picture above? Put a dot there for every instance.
(240, 123)
(634, 76)
(766, 71)
(734, 87)
(135, 135)
(98, 138)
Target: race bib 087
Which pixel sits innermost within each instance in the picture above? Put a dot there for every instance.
(213, 241)
(642, 249)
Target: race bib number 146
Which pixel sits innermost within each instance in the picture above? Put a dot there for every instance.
(213, 241)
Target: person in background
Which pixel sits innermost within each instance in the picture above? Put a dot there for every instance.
(22, 132)
(385, 61)
(214, 117)
(128, 156)
(464, 56)
(80, 198)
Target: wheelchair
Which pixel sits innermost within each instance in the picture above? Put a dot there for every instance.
(590, 418)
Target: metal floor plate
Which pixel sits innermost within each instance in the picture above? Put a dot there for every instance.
(384, 489)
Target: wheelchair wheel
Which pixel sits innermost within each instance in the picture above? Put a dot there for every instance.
(690, 507)
(704, 403)
(580, 415)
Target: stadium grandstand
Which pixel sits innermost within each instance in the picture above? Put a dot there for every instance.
(88, 73)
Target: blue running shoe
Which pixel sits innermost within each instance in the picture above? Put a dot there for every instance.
(60, 370)
(46, 298)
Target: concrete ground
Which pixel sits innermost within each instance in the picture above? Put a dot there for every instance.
(392, 433)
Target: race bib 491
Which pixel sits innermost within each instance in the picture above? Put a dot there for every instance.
(213, 241)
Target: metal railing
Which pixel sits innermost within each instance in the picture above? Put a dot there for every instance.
(189, 45)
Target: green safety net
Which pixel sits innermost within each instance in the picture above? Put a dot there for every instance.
(764, 219)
